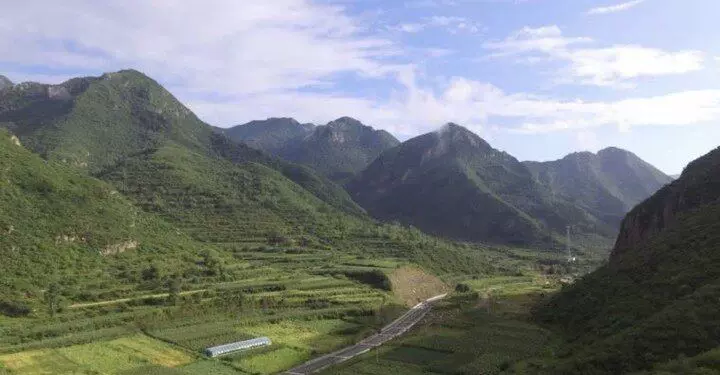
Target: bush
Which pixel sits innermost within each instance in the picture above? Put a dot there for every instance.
(462, 288)
(14, 309)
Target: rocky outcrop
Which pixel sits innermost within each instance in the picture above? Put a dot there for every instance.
(698, 185)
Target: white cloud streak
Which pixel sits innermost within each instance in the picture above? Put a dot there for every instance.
(451, 24)
(255, 58)
(616, 65)
(615, 8)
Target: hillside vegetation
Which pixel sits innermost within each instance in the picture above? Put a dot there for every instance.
(339, 150)
(58, 224)
(453, 183)
(607, 184)
(658, 297)
(95, 123)
(271, 135)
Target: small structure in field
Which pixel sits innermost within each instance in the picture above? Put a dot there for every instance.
(237, 346)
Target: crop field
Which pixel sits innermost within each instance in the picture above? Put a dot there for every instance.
(308, 301)
(465, 335)
(120, 354)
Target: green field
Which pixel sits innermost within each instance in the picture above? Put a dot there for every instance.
(466, 334)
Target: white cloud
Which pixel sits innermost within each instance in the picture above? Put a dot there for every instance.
(616, 65)
(256, 57)
(615, 8)
(453, 25)
(222, 46)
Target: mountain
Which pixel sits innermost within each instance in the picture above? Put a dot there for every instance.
(453, 183)
(5, 82)
(57, 223)
(271, 135)
(339, 149)
(607, 184)
(657, 298)
(94, 123)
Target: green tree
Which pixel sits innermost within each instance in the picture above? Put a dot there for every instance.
(52, 298)
(174, 286)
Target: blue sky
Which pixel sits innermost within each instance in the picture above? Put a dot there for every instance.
(536, 78)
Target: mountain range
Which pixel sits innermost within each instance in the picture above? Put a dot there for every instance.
(340, 149)
(115, 164)
(453, 183)
(125, 128)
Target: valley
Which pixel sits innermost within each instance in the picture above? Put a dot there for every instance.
(135, 236)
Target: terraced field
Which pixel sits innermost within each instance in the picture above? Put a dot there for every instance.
(465, 335)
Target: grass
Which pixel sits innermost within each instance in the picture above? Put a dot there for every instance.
(121, 354)
(272, 361)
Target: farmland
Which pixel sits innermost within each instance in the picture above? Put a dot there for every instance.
(308, 301)
(483, 331)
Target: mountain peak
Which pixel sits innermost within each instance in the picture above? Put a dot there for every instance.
(454, 134)
(345, 121)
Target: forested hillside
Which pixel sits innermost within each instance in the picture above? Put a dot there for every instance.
(658, 296)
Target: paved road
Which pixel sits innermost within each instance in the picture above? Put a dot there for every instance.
(389, 332)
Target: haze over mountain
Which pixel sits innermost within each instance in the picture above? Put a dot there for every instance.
(607, 184)
(339, 149)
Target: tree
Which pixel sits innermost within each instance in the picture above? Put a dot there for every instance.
(151, 273)
(52, 298)
(462, 288)
(174, 286)
(213, 263)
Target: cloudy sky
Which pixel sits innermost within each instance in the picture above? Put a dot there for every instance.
(536, 78)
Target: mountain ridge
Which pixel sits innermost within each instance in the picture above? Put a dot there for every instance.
(493, 196)
(338, 149)
(656, 299)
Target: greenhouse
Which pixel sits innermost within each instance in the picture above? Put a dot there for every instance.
(237, 346)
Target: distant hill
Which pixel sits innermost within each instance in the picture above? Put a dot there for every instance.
(657, 298)
(607, 184)
(94, 123)
(339, 149)
(453, 183)
(271, 135)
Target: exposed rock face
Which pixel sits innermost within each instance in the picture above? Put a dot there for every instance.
(119, 247)
(698, 185)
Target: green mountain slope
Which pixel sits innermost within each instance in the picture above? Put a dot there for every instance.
(607, 184)
(339, 149)
(455, 184)
(658, 296)
(97, 122)
(59, 224)
(270, 135)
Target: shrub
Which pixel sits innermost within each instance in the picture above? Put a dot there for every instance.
(14, 308)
